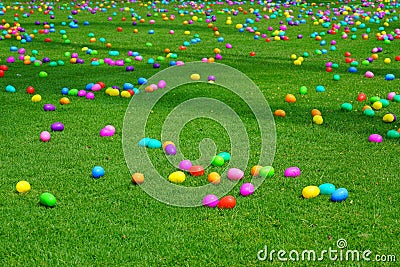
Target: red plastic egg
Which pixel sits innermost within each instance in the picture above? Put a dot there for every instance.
(347, 54)
(361, 97)
(227, 202)
(30, 90)
(252, 54)
(196, 170)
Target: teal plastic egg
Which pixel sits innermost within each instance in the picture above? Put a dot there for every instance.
(347, 106)
(327, 189)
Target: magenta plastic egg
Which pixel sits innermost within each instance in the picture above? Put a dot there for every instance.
(45, 136)
(235, 174)
(89, 95)
(96, 87)
(375, 138)
(81, 93)
(110, 128)
(57, 127)
(161, 84)
(391, 95)
(210, 201)
(185, 165)
(292, 172)
(49, 107)
(246, 189)
(369, 74)
(170, 149)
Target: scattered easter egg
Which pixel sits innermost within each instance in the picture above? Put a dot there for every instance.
(154, 143)
(267, 172)
(217, 161)
(388, 118)
(43, 74)
(235, 174)
(320, 89)
(377, 105)
(137, 178)
(225, 155)
(65, 101)
(36, 98)
(195, 77)
(389, 77)
(10, 89)
(391, 95)
(369, 74)
(346, 106)
(177, 177)
(47, 199)
(210, 201)
(247, 189)
(23, 187)
(292, 172)
(45, 136)
(369, 112)
(310, 191)
(30, 90)
(170, 149)
(279, 113)
(339, 195)
(392, 134)
(255, 170)
(290, 98)
(227, 202)
(327, 189)
(375, 138)
(98, 172)
(196, 170)
(317, 119)
(185, 165)
(361, 97)
(315, 112)
(57, 127)
(303, 90)
(214, 178)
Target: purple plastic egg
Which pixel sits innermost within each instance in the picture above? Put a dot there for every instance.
(82, 93)
(235, 174)
(170, 149)
(210, 201)
(292, 172)
(185, 165)
(49, 107)
(57, 127)
(375, 138)
(246, 189)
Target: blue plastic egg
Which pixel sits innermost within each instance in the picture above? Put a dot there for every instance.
(97, 172)
(339, 195)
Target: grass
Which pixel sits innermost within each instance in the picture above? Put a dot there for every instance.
(110, 222)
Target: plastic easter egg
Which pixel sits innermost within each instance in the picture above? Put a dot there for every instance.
(125, 94)
(327, 189)
(142, 81)
(361, 97)
(375, 138)
(106, 132)
(336, 77)
(65, 101)
(210, 201)
(81, 93)
(47, 199)
(246, 189)
(317, 119)
(267, 172)
(315, 112)
(391, 95)
(90, 95)
(388, 118)
(45, 136)
(303, 90)
(185, 165)
(255, 170)
(227, 202)
(214, 178)
(217, 161)
(170, 149)
(196, 170)
(36, 98)
(235, 174)
(161, 84)
(97, 172)
(43, 74)
(389, 77)
(346, 106)
(339, 195)
(57, 127)
(49, 107)
(310, 191)
(137, 178)
(280, 113)
(144, 142)
(396, 98)
(377, 105)
(10, 89)
(292, 172)
(23, 187)
(320, 89)
(177, 177)
(225, 155)
(392, 134)
(290, 98)
(154, 143)
(195, 77)
(369, 112)
(369, 74)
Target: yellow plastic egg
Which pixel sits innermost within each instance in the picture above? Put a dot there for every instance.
(377, 105)
(318, 119)
(23, 187)
(195, 77)
(310, 191)
(177, 177)
(125, 94)
(36, 98)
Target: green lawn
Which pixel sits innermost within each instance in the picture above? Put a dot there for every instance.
(111, 222)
